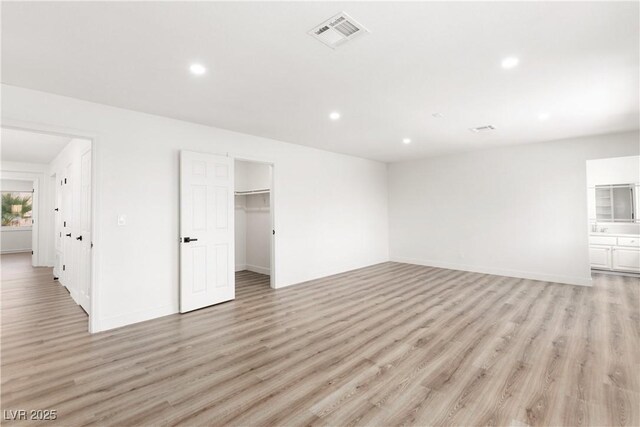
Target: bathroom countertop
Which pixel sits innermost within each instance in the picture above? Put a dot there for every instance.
(598, 233)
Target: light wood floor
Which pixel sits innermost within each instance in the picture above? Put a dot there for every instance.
(391, 344)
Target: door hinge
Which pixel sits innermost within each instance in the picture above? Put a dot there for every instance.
(65, 180)
(64, 267)
(273, 232)
(31, 252)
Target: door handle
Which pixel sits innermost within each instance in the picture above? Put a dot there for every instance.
(189, 239)
(79, 238)
(68, 235)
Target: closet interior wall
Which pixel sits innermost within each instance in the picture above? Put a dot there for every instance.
(253, 217)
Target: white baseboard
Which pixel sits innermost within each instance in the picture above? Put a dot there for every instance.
(241, 267)
(569, 280)
(258, 269)
(326, 273)
(105, 324)
(15, 251)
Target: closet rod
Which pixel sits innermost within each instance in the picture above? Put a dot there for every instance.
(242, 193)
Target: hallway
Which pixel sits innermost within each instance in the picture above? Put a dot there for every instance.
(31, 297)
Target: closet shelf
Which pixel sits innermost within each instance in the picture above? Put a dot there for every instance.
(244, 193)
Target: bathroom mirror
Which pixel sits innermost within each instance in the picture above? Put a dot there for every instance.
(615, 203)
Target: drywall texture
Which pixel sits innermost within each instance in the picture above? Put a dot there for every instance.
(331, 209)
(517, 211)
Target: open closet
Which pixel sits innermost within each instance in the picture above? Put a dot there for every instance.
(253, 217)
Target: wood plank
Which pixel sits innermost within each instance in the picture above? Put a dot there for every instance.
(390, 344)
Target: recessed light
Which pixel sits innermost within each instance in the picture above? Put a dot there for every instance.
(543, 116)
(406, 140)
(197, 69)
(334, 116)
(510, 62)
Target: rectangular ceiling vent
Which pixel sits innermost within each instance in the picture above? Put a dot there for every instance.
(338, 30)
(480, 129)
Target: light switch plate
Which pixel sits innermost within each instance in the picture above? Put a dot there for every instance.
(122, 220)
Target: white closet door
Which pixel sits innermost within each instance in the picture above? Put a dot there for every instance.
(206, 229)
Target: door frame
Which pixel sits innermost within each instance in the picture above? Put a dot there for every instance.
(272, 210)
(94, 288)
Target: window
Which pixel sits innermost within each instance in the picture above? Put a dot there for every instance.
(16, 209)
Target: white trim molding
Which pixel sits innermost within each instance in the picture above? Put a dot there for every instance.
(258, 269)
(578, 281)
(108, 323)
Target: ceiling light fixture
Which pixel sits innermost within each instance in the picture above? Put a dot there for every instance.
(543, 116)
(510, 62)
(197, 69)
(406, 140)
(334, 116)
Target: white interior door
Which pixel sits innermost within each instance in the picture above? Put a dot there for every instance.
(66, 277)
(35, 222)
(83, 240)
(206, 227)
(57, 227)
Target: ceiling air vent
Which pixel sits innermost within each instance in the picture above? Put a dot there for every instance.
(480, 129)
(338, 30)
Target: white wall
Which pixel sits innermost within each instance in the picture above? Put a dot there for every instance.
(16, 240)
(16, 185)
(258, 235)
(240, 232)
(616, 170)
(253, 233)
(330, 209)
(252, 176)
(519, 211)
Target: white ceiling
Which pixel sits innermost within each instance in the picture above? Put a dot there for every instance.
(579, 62)
(29, 147)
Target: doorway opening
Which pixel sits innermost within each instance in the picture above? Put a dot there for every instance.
(20, 225)
(254, 230)
(58, 168)
(209, 260)
(613, 206)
